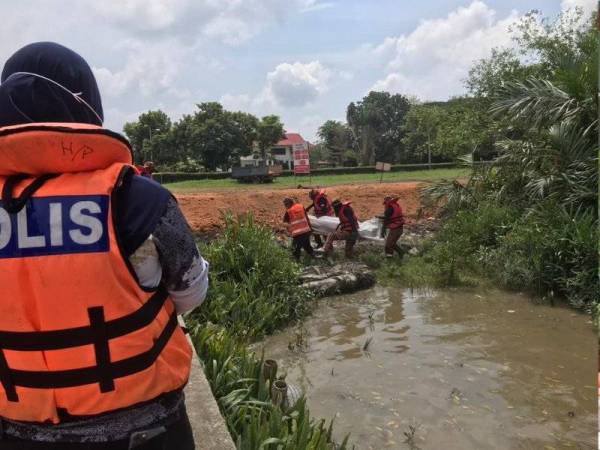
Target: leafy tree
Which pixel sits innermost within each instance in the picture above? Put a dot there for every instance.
(543, 118)
(421, 129)
(247, 126)
(377, 122)
(337, 137)
(446, 131)
(220, 136)
(269, 132)
(318, 153)
(149, 126)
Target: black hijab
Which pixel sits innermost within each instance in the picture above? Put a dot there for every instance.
(26, 98)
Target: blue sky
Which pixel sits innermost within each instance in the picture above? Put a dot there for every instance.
(304, 60)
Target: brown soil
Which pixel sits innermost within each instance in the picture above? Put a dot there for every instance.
(203, 209)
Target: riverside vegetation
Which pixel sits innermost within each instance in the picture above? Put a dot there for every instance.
(254, 291)
(529, 219)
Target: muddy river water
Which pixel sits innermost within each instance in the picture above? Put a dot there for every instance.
(452, 369)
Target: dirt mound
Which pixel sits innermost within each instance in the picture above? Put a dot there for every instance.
(203, 209)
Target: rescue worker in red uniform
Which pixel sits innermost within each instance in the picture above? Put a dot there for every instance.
(346, 231)
(146, 170)
(298, 227)
(393, 221)
(322, 207)
(91, 353)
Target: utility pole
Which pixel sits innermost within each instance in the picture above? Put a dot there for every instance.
(150, 141)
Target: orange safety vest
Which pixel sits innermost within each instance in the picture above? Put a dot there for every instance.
(397, 219)
(78, 335)
(298, 221)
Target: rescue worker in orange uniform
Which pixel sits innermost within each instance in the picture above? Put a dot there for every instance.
(322, 207)
(298, 227)
(393, 221)
(96, 262)
(346, 231)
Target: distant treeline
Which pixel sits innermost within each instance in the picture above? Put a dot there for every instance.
(380, 127)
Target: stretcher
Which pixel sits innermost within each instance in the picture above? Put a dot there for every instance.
(369, 229)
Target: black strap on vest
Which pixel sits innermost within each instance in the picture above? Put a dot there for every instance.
(98, 334)
(13, 205)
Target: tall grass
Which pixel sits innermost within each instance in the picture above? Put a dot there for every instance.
(254, 283)
(254, 291)
(236, 378)
(549, 251)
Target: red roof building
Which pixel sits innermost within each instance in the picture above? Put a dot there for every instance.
(290, 139)
(281, 152)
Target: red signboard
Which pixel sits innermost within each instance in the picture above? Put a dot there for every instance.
(301, 159)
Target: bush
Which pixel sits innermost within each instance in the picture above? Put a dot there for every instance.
(552, 251)
(463, 237)
(254, 282)
(173, 177)
(189, 165)
(548, 250)
(254, 290)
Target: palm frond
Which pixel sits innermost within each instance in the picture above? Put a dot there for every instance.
(535, 102)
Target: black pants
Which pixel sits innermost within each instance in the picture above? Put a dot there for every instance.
(318, 240)
(177, 437)
(301, 242)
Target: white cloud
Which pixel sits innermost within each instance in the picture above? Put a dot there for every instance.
(315, 5)
(297, 84)
(433, 60)
(150, 69)
(149, 15)
(240, 102)
(229, 21)
(588, 6)
(289, 85)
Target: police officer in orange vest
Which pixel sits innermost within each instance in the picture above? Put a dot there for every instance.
(347, 229)
(298, 227)
(96, 262)
(322, 207)
(393, 221)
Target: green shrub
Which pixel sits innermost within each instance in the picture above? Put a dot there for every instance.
(552, 251)
(173, 177)
(254, 286)
(462, 238)
(547, 250)
(236, 379)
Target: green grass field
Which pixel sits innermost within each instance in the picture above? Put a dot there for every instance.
(320, 180)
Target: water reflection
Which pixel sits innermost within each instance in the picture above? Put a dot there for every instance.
(466, 369)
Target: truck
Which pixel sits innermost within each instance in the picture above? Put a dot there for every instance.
(256, 174)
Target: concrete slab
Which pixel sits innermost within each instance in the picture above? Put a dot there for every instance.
(210, 430)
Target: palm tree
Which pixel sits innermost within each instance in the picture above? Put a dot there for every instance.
(556, 154)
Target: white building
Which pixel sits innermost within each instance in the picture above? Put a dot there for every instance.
(281, 152)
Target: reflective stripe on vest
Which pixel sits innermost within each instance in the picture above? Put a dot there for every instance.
(77, 333)
(397, 219)
(298, 222)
